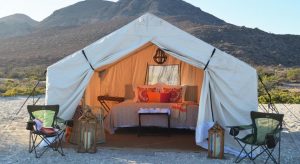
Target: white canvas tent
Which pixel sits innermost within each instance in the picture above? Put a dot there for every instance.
(233, 83)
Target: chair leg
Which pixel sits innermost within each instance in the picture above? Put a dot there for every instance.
(270, 152)
(29, 144)
(60, 138)
(251, 152)
(239, 158)
(58, 143)
(35, 145)
(55, 145)
(279, 147)
(248, 154)
(270, 156)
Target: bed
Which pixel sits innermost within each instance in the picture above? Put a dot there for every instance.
(125, 114)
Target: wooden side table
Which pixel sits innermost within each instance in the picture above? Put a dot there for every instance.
(103, 99)
(144, 112)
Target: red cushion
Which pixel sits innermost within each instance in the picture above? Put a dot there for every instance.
(48, 131)
(165, 97)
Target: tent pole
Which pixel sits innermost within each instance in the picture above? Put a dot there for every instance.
(212, 54)
(31, 94)
(146, 76)
(265, 88)
(206, 65)
(179, 71)
(211, 108)
(86, 58)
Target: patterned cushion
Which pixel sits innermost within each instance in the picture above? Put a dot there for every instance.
(142, 94)
(175, 94)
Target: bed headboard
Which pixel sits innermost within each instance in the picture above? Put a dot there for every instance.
(129, 93)
(191, 93)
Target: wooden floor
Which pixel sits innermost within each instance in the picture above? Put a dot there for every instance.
(156, 138)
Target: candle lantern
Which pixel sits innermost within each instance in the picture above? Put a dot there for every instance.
(100, 135)
(216, 142)
(87, 128)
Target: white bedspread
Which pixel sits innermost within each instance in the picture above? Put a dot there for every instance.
(155, 110)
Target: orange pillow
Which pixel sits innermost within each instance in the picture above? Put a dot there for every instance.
(153, 96)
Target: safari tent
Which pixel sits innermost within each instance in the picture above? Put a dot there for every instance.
(226, 86)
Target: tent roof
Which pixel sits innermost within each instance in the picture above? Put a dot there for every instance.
(149, 28)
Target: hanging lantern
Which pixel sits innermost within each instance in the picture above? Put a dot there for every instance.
(88, 130)
(216, 142)
(160, 56)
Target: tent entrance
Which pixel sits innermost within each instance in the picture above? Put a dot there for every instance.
(114, 79)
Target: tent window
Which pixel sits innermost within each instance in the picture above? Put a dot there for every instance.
(168, 74)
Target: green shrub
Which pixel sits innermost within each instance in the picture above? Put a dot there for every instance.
(20, 87)
(281, 96)
(294, 75)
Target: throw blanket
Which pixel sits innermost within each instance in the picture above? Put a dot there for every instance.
(179, 110)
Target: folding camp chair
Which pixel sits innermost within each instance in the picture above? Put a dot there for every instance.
(50, 137)
(265, 134)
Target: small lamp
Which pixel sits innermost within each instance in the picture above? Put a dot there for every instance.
(216, 142)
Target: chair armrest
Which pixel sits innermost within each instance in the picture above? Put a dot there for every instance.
(241, 127)
(69, 123)
(278, 131)
(30, 125)
(234, 130)
(63, 123)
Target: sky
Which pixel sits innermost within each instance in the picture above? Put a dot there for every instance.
(275, 16)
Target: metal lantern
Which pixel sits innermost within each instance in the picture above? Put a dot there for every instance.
(88, 130)
(160, 56)
(100, 135)
(216, 142)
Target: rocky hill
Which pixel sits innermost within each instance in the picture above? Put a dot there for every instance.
(92, 11)
(15, 25)
(72, 28)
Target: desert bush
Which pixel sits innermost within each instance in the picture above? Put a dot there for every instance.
(2, 89)
(32, 72)
(293, 75)
(281, 96)
(20, 87)
(272, 78)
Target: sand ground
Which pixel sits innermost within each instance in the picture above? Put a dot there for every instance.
(14, 143)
